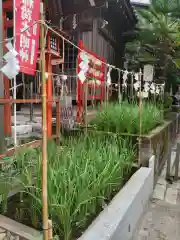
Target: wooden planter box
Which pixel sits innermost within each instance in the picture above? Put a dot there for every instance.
(159, 142)
(120, 218)
(117, 221)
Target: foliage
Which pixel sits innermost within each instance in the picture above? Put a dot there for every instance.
(157, 40)
(11, 175)
(167, 101)
(82, 177)
(167, 6)
(125, 118)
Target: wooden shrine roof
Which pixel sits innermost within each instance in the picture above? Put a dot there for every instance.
(59, 8)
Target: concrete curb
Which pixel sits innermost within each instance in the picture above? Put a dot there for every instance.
(119, 220)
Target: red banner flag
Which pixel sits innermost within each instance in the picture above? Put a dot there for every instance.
(27, 32)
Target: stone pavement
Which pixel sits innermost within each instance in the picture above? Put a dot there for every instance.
(161, 221)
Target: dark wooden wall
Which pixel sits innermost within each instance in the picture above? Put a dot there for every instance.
(96, 42)
(107, 42)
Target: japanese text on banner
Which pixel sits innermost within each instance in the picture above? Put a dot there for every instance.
(27, 32)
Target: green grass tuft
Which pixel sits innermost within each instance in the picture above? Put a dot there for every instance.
(83, 176)
(125, 118)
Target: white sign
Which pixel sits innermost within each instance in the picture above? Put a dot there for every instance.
(148, 73)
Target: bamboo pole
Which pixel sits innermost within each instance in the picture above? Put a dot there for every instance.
(140, 117)
(44, 131)
(15, 82)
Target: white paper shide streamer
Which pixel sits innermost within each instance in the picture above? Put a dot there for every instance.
(84, 66)
(11, 68)
(125, 77)
(109, 76)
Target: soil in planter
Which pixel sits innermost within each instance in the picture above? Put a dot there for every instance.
(18, 210)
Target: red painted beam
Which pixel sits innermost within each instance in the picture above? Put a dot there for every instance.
(8, 23)
(7, 5)
(11, 100)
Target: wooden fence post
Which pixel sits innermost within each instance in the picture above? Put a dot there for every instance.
(168, 161)
(177, 161)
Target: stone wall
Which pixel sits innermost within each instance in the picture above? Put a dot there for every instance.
(6, 235)
(119, 219)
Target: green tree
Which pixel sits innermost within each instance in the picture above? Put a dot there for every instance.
(167, 6)
(156, 41)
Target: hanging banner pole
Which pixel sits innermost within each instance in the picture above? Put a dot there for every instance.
(140, 115)
(44, 130)
(15, 87)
